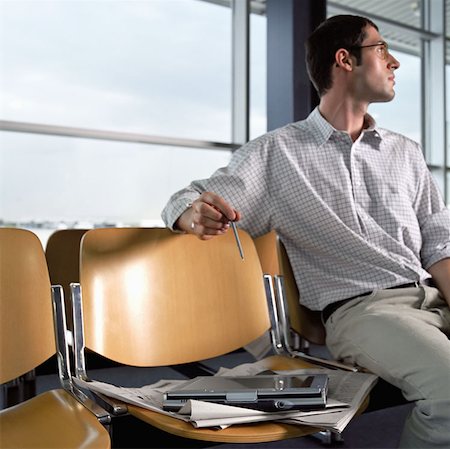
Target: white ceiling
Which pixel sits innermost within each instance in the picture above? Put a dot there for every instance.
(404, 11)
(386, 14)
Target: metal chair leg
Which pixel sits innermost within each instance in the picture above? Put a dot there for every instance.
(328, 437)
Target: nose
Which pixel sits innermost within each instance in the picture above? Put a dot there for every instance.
(393, 63)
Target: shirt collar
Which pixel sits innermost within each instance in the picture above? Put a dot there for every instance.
(322, 130)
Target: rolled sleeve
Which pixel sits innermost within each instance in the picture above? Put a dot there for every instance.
(436, 238)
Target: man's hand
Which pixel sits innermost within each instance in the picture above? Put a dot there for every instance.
(209, 215)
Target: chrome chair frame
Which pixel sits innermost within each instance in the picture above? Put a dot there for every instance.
(113, 407)
(275, 330)
(286, 333)
(63, 358)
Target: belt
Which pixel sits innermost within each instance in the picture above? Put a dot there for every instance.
(331, 308)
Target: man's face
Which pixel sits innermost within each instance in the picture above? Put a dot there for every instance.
(374, 78)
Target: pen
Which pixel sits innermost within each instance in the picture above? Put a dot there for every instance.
(238, 241)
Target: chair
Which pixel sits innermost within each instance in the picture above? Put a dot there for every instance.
(56, 418)
(63, 253)
(300, 326)
(154, 298)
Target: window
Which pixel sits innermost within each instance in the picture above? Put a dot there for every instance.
(121, 103)
(154, 66)
(258, 61)
(63, 180)
(404, 113)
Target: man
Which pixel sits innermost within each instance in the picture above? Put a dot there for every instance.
(363, 223)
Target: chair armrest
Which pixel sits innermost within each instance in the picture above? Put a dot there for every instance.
(102, 415)
(113, 406)
(322, 362)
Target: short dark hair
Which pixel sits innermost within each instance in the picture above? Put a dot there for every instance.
(342, 31)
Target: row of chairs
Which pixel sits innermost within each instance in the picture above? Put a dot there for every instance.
(145, 297)
(302, 326)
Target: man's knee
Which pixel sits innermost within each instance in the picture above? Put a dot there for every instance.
(398, 350)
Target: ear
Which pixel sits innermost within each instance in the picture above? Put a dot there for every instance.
(343, 59)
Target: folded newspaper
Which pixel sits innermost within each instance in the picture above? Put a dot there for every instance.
(346, 392)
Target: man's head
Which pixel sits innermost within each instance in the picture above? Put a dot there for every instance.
(339, 32)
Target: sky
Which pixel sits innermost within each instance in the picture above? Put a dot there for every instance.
(158, 67)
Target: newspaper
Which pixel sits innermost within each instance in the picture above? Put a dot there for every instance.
(347, 390)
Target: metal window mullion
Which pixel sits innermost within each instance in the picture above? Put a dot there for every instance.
(240, 71)
(447, 136)
(115, 136)
(433, 81)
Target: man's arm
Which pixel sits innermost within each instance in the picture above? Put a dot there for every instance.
(441, 276)
(208, 216)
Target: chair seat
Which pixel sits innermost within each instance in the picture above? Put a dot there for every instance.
(242, 433)
(53, 419)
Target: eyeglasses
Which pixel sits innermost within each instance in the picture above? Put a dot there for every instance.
(382, 49)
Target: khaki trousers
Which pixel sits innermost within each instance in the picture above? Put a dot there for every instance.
(402, 335)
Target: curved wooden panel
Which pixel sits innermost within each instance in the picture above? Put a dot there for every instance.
(239, 433)
(26, 317)
(152, 297)
(63, 259)
(52, 420)
(266, 247)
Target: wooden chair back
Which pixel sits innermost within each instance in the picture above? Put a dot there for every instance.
(27, 336)
(155, 298)
(275, 261)
(63, 259)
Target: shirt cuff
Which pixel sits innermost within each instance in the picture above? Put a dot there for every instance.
(174, 210)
